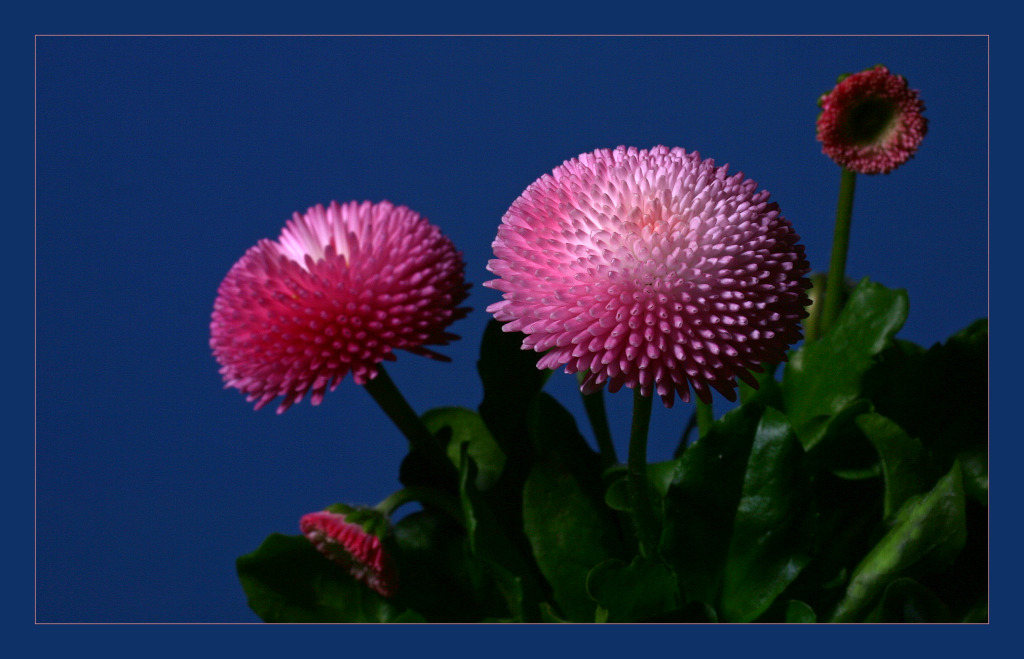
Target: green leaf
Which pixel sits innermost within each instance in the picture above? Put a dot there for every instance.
(977, 613)
(488, 543)
(800, 612)
(928, 532)
(568, 526)
(768, 547)
(842, 447)
(903, 460)
(659, 475)
(768, 390)
(975, 465)
(511, 380)
(819, 281)
(569, 532)
(701, 502)
(467, 427)
(905, 600)
(939, 396)
(824, 377)
(287, 580)
(617, 495)
(548, 614)
(439, 578)
(637, 591)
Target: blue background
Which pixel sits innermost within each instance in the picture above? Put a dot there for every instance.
(161, 160)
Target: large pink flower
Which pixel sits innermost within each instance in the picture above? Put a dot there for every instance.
(651, 269)
(352, 547)
(871, 122)
(338, 292)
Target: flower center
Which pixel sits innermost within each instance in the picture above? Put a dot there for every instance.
(869, 120)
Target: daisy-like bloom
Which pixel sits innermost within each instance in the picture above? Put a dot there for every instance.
(651, 269)
(871, 122)
(351, 546)
(339, 291)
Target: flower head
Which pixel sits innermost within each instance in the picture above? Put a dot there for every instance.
(651, 269)
(871, 122)
(339, 291)
(352, 546)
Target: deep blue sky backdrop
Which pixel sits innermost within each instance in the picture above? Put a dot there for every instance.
(162, 159)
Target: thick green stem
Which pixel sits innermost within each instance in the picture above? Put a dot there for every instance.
(594, 405)
(636, 472)
(391, 400)
(425, 495)
(705, 417)
(840, 245)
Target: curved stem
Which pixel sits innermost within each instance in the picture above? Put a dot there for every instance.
(594, 405)
(425, 495)
(636, 474)
(391, 400)
(840, 245)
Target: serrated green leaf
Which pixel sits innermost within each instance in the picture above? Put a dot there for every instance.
(701, 501)
(640, 590)
(287, 580)
(928, 532)
(903, 460)
(824, 377)
(467, 427)
(770, 533)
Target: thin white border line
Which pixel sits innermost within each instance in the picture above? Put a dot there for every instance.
(35, 251)
(988, 309)
(35, 321)
(505, 35)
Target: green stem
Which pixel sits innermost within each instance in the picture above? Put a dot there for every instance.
(391, 400)
(705, 417)
(636, 473)
(594, 405)
(840, 245)
(425, 495)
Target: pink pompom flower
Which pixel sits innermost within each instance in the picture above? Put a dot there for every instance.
(871, 122)
(352, 546)
(339, 291)
(651, 269)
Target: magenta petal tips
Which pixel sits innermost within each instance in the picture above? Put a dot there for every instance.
(652, 269)
(353, 548)
(339, 291)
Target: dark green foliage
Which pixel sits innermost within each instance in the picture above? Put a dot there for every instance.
(287, 580)
(853, 489)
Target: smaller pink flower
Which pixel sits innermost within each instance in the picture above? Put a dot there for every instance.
(338, 292)
(351, 546)
(871, 122)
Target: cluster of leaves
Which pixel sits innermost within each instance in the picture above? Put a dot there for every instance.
(852, 489)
